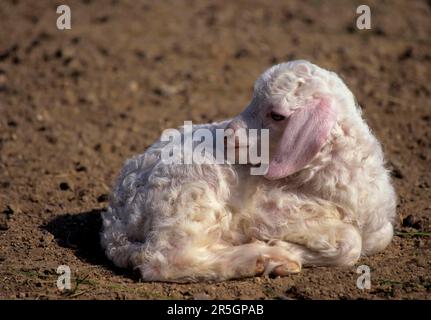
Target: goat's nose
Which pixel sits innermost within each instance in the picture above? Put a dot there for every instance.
(235, 135)
(235, 125)
(230, 126)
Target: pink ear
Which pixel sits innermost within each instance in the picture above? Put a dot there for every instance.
(305, 133)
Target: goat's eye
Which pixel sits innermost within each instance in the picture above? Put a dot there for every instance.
(277, 117)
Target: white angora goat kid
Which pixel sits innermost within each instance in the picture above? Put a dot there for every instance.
(325, 200)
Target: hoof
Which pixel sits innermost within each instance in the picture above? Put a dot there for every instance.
(286, 268)
(260, 266)
(266, 266)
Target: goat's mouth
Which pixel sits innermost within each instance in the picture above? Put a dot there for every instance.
(229, 144)
(255, 165)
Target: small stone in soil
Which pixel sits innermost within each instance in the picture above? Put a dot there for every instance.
(64, 186)
(5, 184)
(3, 223)
(421, 262)
(411, 222)
(103, 198)
(79, 167)
(11, 209)
(201, 296)
(408, 221)
(98, 147)
(397, 173)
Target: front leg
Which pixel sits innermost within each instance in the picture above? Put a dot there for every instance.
(313, 230)
(323, 242)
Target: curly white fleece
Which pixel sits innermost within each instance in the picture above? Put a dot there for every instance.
(200, 222)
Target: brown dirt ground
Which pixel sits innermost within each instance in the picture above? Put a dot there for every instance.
(75, 104)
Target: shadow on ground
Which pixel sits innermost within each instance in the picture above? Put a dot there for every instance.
(81, 233)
